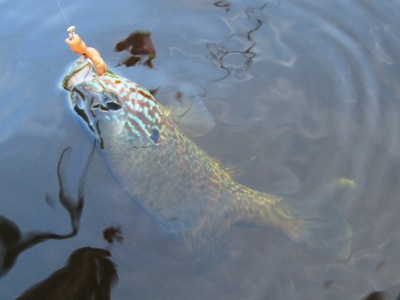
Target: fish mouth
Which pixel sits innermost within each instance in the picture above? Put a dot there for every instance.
(81, 70)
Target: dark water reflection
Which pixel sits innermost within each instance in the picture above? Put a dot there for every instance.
(89, 274)
(14, 242)
(310, 88)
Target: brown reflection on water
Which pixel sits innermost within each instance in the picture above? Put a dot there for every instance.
(14, 242)
(89, 274)
(377, 296)
(113, 233)
(141, 49)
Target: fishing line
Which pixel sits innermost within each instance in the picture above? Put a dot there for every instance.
(62, 12)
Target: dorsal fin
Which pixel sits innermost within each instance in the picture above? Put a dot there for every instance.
(238, 169)
(189, 112)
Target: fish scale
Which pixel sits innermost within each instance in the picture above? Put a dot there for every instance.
(186, 191)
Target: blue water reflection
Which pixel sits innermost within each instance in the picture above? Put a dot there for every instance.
(315, 99)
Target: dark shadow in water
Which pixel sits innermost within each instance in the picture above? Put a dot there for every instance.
(141, 49)
(220, 54)
(377, 296)
(223, 4)
(13, 242)
(113, 233)
(88, 275)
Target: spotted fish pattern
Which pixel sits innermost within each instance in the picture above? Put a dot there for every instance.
(187, 192)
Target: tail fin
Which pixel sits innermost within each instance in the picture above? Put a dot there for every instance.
(321, 229)
(318, 226)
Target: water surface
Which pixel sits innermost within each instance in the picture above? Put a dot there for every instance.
(309, 88)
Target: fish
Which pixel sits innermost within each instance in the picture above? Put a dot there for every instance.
(187, 192)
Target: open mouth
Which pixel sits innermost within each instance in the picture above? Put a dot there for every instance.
(81, 70)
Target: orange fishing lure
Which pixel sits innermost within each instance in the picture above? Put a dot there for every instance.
(78, 46)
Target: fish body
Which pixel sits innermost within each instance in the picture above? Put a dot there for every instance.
(176, 182)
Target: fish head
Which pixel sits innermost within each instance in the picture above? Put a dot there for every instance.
(115, 109)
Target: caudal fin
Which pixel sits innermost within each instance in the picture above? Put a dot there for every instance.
(318, 226)
(321, 228)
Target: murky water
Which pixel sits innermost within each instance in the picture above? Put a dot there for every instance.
(308, 88)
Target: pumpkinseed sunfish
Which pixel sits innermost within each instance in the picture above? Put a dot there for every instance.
(176, 182)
